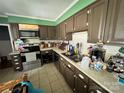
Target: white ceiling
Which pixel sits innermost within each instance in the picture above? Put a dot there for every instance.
(44, 9)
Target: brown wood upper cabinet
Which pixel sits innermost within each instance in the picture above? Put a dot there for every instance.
(96, 21)
(14, 31)
(62, 31)
(114, 32)
(47, 32)
(80, 20)
(51, 33)
(69, 23)
(58, 34)
(43, 32)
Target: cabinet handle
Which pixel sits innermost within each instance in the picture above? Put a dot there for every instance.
(16, 63)
(85, 86)
(88, 12)
(61, 58)
(15, 56)
(87, 24)
(80, 76)
(18, 68)
(46, 52)
(16, 60)
(69, 66)
(74, 75)
(74, 89)
(108, 41)
(98, 91)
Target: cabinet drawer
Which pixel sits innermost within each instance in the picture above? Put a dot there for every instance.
(70, 66)
(16, 63)
(82, 76)
(15, 56)
(61, 59)
(18, 68)
(16, 60)
(94, 87)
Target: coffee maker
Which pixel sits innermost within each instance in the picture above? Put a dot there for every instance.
(97, 52)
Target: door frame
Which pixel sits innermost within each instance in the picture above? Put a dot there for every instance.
(10, 35)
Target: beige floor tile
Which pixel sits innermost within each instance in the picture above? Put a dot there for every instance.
(55, 85)
(60, 90)
(45, 77)
(52, 78)
(43, 81)
(67, 89)
(46, 88)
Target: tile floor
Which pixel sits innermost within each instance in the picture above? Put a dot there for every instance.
(47, 77)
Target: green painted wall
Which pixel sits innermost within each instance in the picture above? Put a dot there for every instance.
(3, 20)
(77, 7)
(14, 19)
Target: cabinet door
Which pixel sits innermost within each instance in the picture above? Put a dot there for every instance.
(56, 60)
(51, 33)
(43, 32)
(80, 21)
(95, 88)
(62, 67)
(70, 76)
(96, 21)
(114, 32)
(69, 25)
(14, 31)
(80, 85)
(58, 34)
(62, 31)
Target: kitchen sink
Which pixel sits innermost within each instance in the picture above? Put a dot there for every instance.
(75, 58)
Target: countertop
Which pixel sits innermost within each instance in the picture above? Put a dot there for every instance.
(105, 79)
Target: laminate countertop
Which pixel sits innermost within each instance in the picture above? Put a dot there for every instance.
(103, 78)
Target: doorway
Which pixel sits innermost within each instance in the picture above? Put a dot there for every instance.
(5, 41)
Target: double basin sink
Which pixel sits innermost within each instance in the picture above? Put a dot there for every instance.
(75, 58)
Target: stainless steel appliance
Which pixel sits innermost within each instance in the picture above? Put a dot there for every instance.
(28, 34)
(97, 52)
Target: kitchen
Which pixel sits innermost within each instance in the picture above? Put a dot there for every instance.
(80, 52)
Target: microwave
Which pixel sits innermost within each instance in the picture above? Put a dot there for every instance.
(28, 34)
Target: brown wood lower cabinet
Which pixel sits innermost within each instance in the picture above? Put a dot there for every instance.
(70, 76)
(95, 88)
(81, 86)
(17, 62)
(81, 82)
(77, 80)
(62, 67)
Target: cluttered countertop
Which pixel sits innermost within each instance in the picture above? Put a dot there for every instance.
(109, 81)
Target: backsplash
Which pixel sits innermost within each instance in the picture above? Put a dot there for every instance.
(39, 41)
(81, 37)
